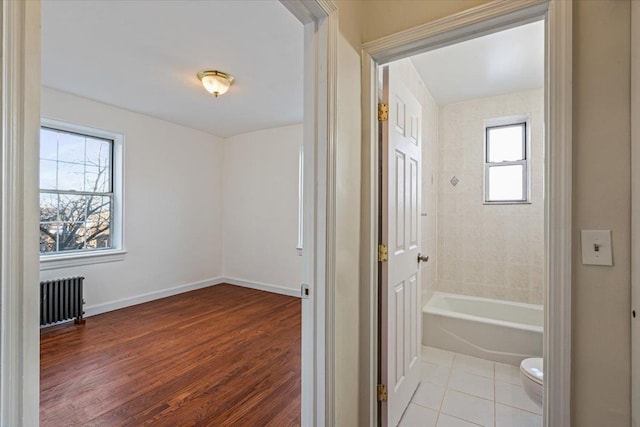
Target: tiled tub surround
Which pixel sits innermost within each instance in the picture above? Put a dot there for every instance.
(464, 391)
(493, 251)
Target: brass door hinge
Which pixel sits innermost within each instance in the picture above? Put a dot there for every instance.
(383, 255)
(383, 112)
(382, 393)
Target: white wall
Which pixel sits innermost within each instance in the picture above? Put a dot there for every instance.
(494, 251)
(347, 226)
(183, 187)
(601, 356)
(260, 220)
(173, 202)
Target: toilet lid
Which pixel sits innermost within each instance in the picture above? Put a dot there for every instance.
(533, 368)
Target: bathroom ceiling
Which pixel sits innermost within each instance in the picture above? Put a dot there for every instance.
(499, 63)
(144, 55)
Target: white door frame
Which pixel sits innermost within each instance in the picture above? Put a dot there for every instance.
(19, 261)
(635, 213)
(320, 19)
(484, 19)
(19, 258)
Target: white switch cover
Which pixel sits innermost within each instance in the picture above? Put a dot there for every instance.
(596, 247)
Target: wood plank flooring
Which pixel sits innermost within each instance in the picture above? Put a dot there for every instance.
(218, 356)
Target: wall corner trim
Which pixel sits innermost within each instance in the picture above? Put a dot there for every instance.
(19, 114)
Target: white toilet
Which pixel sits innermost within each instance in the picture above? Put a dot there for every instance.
(531, 373)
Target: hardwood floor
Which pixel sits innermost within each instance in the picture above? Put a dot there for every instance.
(218, 356)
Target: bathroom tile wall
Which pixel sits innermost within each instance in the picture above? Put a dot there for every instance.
(494, 251)
(428, 246)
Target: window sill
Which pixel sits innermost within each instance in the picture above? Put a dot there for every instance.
(52, 262)
(508, 203)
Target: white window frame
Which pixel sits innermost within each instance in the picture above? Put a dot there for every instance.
(300, 199)
(522, 119)
(117, 252)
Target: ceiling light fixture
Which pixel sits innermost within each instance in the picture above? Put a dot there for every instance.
(215, 82)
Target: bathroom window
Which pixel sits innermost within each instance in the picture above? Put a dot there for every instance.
(506, 166)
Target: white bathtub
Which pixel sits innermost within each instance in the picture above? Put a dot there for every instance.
(501, 331)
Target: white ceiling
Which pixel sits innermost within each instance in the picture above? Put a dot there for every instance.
(499, 63)
(144, 55)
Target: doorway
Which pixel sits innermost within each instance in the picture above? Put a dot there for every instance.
(480, 234)
(460, 28)
(19, 179)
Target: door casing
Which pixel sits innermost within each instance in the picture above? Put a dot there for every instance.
(635, 213)
(485, 19)
(19, 257)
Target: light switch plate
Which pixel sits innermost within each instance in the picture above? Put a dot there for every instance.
(596, 247)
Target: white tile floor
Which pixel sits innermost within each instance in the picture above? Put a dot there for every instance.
(464, 391)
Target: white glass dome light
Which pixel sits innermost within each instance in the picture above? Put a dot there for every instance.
(215, 82)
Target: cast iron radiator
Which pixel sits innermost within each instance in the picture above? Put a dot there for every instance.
(60, 300)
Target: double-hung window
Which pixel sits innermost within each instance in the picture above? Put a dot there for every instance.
(80, 204)
(506, 166)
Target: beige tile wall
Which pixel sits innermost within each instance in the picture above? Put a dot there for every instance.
(408, 74)
(494, 251)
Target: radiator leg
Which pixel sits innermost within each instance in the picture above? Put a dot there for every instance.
(80, 320)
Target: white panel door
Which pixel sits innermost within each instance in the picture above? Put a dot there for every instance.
(400, 232)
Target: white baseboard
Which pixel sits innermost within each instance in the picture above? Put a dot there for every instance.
(262, 286)
(92, 310)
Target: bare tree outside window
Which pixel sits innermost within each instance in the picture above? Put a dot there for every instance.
(76, 191)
